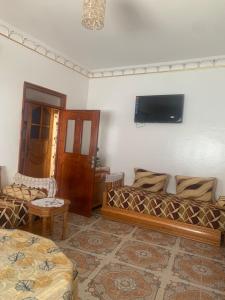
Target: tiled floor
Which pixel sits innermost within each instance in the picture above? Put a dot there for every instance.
(117, 261)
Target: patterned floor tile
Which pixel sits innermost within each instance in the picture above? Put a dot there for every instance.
(94, 241)
(144, 255)
(200, 271)
(57, 231)
(118, 282)
(85, 263)
(112, 227)
(202, 249)
(79, 220)
(155, 237)
(182, 291)
(208, 295)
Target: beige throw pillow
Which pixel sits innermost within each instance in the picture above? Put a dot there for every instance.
(151, 181)
(198, 188)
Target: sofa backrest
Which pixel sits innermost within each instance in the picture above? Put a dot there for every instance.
(49, 184)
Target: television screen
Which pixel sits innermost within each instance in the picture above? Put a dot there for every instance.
(159, 109)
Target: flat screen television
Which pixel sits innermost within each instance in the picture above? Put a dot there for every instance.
(159, 109)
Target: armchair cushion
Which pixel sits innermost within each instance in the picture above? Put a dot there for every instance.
(150, 181)
(198, 188)
(13, 212)
(22, 192)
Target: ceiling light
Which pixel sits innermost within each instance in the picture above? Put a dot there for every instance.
(93, 14)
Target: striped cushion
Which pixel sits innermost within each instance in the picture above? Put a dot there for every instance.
(198, 188)
(151, 181)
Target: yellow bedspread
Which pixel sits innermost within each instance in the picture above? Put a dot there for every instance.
(33, 268)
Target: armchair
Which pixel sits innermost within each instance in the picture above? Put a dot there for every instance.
(13, 211)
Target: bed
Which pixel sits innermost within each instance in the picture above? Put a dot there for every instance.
(33, 267)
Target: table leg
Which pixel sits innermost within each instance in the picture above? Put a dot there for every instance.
(30, 222)
(65, 216)
(44, 226)
(52, 224)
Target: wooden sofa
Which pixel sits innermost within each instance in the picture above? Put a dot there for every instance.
(117, 206)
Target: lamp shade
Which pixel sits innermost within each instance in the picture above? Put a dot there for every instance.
(93, 14)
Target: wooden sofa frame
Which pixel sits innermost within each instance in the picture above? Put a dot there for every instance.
(189, 231)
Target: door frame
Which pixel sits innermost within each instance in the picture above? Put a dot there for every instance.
(63, 99)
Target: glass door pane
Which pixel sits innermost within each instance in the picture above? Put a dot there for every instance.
(35, 132)
(36, 115)
(69, 148)
(86, 137)
(46, 116)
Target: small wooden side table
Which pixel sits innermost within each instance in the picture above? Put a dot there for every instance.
(49, 212)
(99, 186)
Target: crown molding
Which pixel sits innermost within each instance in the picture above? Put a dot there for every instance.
(40, 48)
(174, 66)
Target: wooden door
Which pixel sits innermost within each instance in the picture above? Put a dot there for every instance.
(77, 148)
(37, 141)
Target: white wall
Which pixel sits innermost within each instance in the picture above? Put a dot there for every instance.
(18, 64)
(196, 147)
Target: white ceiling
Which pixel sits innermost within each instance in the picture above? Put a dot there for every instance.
(136, 31)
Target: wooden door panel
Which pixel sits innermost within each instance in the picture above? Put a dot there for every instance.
(71, 173)
(75, 171)
(36, 153)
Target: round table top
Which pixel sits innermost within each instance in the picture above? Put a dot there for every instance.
(48, 209)
(33, 267)
(48, 202)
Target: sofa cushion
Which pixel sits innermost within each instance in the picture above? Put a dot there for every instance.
(13, 212)
(198, 188)
(150, 181)
(23, 192)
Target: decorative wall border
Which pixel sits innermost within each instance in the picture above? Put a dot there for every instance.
(30, 43)
(34, 45)
(202, 63)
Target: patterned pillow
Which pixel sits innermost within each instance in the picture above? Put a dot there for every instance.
(150, 181)
(198, 188)
(23, 192)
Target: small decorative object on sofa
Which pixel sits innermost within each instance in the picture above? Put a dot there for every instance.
(192, 218)
(150, 181)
